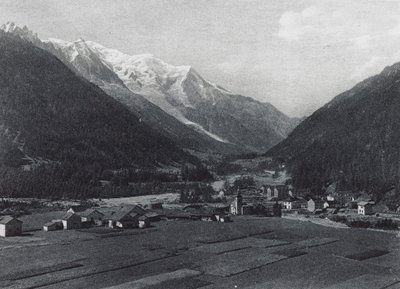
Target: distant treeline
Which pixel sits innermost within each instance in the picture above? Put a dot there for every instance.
(67, 181)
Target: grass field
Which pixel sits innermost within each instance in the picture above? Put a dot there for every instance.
(250, 252)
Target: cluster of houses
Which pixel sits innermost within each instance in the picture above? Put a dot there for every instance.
(119, 217)
(207, 213)
(273, 199)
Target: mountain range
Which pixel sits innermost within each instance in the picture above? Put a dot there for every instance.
(175, 100)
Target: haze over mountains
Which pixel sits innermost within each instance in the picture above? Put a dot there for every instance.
(175, 100)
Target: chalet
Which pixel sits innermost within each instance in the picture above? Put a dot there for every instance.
(113, 215)
(93, 216)
(144, 222)
(71, 221)
(53, 226)
(153, 216)
(134, 209)
(314, 204)
(294, 203)
(365, 208)
(344, 197)
(10, 226)
(123, 220)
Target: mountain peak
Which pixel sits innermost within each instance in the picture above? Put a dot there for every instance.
(8, 27)
(24, 32)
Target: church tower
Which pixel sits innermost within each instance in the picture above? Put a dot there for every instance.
(236, 205)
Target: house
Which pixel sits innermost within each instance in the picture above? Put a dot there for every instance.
(53, 226)
(294, 203)
(71, 221)
(236, 205)
(223, 218)
(365, 208)
(10, 226)
(314, 204)
(279, 192)
(133, 209)
(123, 220)
(144, 222)
(153, 216)
(124, 216)
(93, 216)
(344, 197)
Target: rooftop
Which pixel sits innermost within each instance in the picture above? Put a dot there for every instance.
(7, 219)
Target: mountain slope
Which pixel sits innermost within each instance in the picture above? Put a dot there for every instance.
(86, 62)
(48, 113)
(354, 138)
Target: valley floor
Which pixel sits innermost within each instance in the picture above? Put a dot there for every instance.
(250, 252)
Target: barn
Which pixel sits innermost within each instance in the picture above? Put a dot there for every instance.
(10, 226)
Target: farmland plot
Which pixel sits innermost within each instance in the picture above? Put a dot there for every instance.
(222, 247)
(233, 263)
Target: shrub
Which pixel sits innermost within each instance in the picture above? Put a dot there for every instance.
(386, 224)
(358, 224)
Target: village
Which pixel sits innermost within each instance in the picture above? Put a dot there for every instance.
(356, 210)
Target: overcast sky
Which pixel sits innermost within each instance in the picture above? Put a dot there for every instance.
(296, 55)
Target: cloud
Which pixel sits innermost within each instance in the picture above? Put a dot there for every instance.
(324, 25)
(363, 42)
(293, 25)
(369, 68)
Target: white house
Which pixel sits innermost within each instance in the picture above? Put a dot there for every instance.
(10, 226)
(293, 203)
(365, 208)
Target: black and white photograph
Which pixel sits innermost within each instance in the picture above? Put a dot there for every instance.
(200, 144)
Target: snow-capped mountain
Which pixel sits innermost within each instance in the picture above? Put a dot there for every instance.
(203, 114)
(183, 93)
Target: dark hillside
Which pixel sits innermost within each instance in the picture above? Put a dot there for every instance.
(50, 115)
(355, 138)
